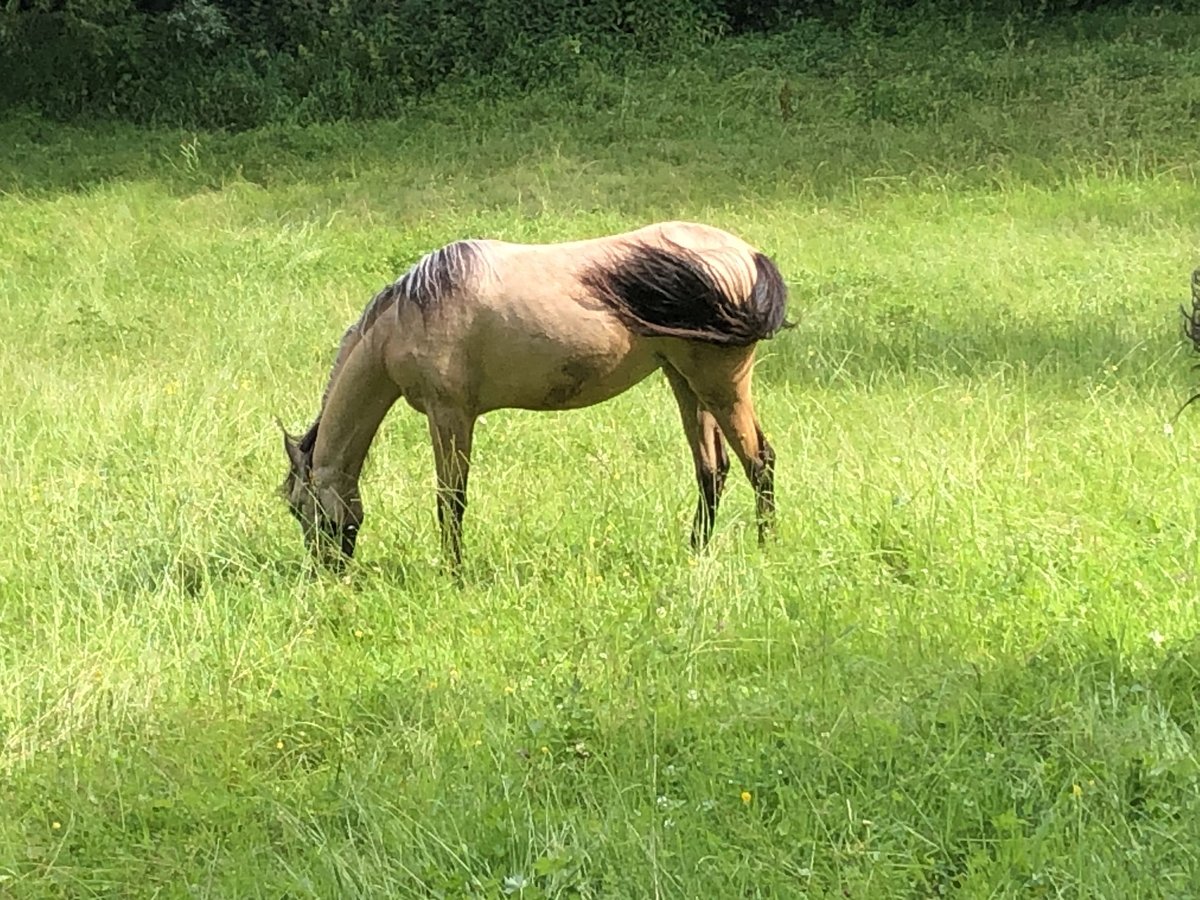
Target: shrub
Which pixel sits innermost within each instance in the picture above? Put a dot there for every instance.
(221, 63)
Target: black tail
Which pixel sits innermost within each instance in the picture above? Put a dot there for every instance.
(674, 292)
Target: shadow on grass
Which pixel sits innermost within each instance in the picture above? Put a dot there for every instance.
(961, 778)
(192, 572)
(698, 139)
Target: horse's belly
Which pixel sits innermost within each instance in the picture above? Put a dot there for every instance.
(589, 367)
(578, 383)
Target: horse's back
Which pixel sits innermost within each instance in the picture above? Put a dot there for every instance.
(531, 330)
(542, 340)
(693, 236)
(534, 270)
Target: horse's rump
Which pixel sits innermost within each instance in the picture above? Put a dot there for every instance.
(670, 291)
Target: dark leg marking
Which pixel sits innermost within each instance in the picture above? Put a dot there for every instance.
(708, 455)
(763, 479)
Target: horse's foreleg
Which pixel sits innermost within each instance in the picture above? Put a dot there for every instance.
(451, 431)
(708, 454)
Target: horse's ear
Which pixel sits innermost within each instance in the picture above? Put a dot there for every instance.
(292, 447)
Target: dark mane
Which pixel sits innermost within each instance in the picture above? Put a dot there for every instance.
(438, 274)
(674, 292)
(430, 281)
(434, 277)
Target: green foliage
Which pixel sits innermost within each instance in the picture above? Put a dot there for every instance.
(206, 63)
(969, 666)
(214, 63)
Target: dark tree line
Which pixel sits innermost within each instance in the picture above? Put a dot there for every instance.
(231, 63)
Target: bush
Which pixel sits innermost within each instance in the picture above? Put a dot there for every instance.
(221, 63)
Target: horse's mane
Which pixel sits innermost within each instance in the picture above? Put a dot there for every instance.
(431, 280)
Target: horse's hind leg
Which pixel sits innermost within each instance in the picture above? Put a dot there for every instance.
(451, 431)
(723, 386)
(708, 454)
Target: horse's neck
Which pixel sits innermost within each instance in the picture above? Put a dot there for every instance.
(358, 397)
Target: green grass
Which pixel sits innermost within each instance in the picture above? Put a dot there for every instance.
(969, 666)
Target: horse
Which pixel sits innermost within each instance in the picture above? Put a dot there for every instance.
(1191, 329)
(480, 325)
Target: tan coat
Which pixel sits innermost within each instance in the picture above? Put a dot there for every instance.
(485, 325)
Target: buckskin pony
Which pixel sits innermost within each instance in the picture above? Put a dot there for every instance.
(480, 325)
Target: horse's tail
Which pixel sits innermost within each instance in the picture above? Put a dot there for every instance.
(670, 291)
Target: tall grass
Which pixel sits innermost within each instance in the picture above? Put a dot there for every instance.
(968, 666)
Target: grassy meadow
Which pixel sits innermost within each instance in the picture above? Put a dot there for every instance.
(967, 667)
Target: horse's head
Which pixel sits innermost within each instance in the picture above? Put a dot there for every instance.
(329, 514)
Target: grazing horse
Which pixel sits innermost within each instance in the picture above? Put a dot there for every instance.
(481, 325)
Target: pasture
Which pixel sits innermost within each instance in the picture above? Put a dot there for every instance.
(967, 666)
